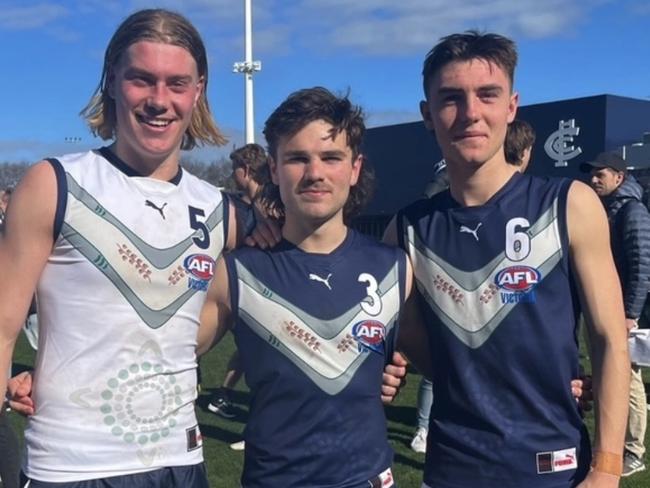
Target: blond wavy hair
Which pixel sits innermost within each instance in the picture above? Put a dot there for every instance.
(164, 26)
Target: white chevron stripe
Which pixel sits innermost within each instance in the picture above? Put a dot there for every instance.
(471, 310)
(134, 267)
(328, 357)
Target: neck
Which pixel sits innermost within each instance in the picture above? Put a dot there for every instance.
(321, 238)
(472, 186)
(163, 168)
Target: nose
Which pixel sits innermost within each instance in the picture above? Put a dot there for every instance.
(157, 100)
(314, 170)
(470, 109)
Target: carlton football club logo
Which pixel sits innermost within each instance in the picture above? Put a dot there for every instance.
(517, 284)
(559, 146)
(201, 268)
(370, 335)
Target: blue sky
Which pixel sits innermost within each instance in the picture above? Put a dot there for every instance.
(52, 51)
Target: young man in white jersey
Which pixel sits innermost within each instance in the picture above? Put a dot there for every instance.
(120, 244)
(468, 84)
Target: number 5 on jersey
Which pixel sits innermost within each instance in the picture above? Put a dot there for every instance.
(202, 240)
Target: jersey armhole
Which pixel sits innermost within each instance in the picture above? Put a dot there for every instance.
(233, 287)
(61, 196)
(401, 276)
(225, 201)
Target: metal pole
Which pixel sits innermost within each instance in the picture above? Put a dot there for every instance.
(248, 67)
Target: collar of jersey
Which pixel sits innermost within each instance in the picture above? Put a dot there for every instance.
(112, 158)
(287, 246)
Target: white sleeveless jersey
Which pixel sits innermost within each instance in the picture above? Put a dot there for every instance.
(119, 302)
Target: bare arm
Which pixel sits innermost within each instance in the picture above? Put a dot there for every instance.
(24, 250)
(412, 339)
(215, 314)
(602, 304)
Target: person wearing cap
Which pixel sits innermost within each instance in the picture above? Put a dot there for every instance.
(629, 223)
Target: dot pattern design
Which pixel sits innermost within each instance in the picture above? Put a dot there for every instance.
(123, 394)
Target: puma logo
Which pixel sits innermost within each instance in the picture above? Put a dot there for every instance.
(325, 281)
(474, 232)
(149, 203)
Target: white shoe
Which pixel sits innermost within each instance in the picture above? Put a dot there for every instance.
(419, 442)
(238, 446)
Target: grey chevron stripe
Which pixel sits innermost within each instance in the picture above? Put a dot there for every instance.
(158, 258)
(329, 386)
(324, 328)
(153, 318)
(471, 280)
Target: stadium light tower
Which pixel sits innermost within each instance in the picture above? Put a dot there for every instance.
(248, 67)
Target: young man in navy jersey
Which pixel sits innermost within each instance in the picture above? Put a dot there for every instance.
(503, 264)
(315, 316)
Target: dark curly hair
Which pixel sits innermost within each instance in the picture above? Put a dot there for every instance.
(303, 107)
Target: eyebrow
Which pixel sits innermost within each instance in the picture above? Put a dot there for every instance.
(299, 153)
(134, 71)
(444, 90)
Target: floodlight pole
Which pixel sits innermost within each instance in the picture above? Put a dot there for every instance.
(248, 67)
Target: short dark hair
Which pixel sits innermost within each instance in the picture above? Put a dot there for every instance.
(520, 136)
(469, 45)
(308, 105)
(253, 157)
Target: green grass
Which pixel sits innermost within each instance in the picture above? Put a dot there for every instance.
(224, 465)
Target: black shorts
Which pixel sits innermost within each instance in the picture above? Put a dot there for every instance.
(193, 476)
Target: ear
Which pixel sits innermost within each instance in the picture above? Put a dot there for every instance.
(200, 85)
(357, 164)
(426, 115)
(273, 168)
(513, 104)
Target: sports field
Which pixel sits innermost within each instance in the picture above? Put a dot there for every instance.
(224, 465)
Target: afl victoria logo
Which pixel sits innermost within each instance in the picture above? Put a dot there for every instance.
(518, 279)
(370, 335)
(200, 266)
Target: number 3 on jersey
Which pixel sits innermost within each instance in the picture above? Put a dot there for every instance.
(202, 240)
(371, 304)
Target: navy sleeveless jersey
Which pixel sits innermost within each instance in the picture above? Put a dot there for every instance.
(314, 332)
(501, 310)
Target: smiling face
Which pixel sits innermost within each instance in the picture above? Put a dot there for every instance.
(155, 87)
(314, 173)
(469, 106)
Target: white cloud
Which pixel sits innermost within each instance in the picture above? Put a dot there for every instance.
(31, 16)
(407, 26)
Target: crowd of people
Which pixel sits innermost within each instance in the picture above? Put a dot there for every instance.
(139, 267)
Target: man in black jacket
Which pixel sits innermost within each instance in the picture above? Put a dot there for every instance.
(629, 224)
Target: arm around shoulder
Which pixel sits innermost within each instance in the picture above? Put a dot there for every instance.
(216, 313)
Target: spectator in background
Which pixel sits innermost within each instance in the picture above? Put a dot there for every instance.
(249, 172)
(629, 224)
(518, 146)
(4, 201)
